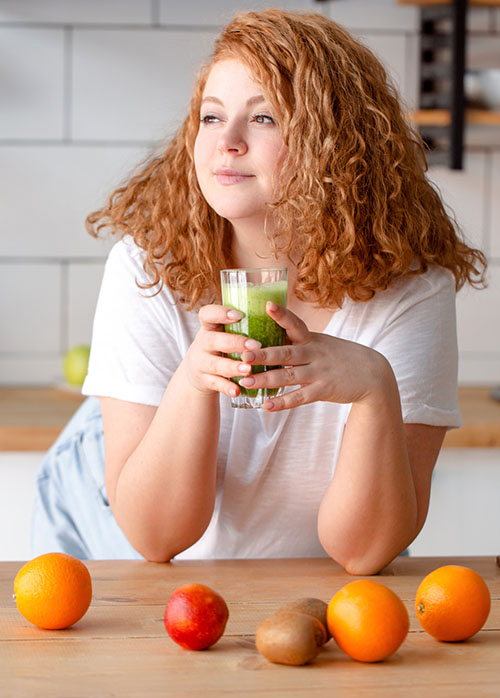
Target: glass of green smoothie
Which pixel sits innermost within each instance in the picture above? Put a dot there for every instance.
(248, 291)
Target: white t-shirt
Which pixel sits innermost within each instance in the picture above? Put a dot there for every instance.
(273, 469)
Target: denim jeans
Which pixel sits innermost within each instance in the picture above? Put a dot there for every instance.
(71, 512)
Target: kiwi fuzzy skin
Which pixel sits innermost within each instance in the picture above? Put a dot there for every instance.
(291, 638)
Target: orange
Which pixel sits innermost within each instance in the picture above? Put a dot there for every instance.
(367, 620)
(53, 591)
(452, 603)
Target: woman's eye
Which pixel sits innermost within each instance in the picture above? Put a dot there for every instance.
(263, 119)
(209, 119)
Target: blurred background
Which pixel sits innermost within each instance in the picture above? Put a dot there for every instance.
(88, 87)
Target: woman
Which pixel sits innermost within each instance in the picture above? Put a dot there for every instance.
(295, 153)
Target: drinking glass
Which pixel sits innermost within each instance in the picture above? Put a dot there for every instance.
(248, 291)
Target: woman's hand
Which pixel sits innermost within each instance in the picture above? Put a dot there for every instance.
(326, 368)
(207, 369)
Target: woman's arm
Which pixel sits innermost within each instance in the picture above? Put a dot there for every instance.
(161, 462)
(378, 498)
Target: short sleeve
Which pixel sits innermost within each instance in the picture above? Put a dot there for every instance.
(419, 339)
(136, 339)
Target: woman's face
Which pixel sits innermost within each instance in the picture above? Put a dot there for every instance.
(239, 147)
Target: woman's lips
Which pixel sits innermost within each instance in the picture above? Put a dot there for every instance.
(226, 176)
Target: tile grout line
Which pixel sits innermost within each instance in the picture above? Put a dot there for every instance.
(96, 26)
(67, 84)
(78, 143)
(155, 13)
(64, 306)
(19, 259)
(155, 23)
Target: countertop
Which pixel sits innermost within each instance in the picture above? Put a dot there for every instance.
(120, 647)
(31, 418)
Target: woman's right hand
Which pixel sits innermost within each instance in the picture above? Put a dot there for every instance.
(208, 370)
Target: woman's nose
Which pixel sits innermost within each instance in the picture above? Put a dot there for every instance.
(232, 140)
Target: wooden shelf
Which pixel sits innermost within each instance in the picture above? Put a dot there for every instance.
(442, 117)
(481, 420)
(32, 418)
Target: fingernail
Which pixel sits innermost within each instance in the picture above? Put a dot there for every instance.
(244, 368)
(233, 392)
(272, 306)
(247, 382)
(269, 405)
(234, 314)
(252, 344)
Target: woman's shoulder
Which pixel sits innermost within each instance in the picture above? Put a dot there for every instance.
(126, 253)
(127, 257)
(426, 299)
(416, 288)
(126, 260)
(431, 294)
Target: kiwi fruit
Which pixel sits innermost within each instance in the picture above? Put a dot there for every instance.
(310, 606)
(290, 637)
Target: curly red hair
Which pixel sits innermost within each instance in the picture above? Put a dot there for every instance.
(352, 196)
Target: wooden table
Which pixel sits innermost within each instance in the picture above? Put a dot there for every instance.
(120, 647)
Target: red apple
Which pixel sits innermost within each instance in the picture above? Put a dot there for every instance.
(195, 616)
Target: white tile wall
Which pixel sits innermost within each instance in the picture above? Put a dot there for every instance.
(31, 82)
(33, 368)
(392, 51)
(31, 308)
(83, 285)
(494, 225)
(77, 11)
(374, 15)
(133, 84)
(218, 12)
(90, 86)
(48, 190)
(465, 193)
(483, 52)
(479, 20)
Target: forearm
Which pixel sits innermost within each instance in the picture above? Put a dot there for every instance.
(369, 512)
(165, 492)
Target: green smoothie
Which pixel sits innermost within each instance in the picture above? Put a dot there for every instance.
(251, 300)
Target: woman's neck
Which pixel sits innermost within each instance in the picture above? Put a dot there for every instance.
(251, 247)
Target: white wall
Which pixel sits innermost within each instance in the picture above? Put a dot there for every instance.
(464, 516)
(17, 490)
(88, 86)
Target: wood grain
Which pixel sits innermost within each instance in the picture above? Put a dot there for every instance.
(120, 648)
(32, 418)
(442, 117)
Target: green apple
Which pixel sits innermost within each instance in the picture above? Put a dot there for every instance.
(75, 364)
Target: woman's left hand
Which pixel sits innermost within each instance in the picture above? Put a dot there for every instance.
(325, 368)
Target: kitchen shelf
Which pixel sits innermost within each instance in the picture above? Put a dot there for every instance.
(442, 117)
(444, 114)
(32, 418)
